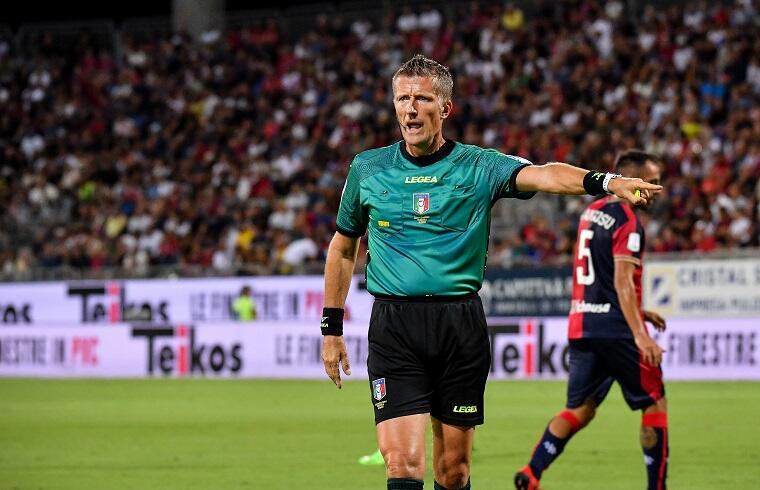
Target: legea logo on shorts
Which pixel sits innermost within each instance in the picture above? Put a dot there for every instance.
(465, 409)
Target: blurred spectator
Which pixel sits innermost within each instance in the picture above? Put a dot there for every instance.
(513, 18)
(297, 252)
(244, 305)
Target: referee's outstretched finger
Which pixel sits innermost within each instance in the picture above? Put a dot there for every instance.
(650, 187)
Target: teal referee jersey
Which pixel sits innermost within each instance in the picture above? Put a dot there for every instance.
(428, 217)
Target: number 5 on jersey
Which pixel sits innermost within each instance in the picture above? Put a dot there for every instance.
(584, 251)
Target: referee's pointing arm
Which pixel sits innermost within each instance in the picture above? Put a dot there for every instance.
(561, 178)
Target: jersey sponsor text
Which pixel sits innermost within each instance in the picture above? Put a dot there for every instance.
(583, 307)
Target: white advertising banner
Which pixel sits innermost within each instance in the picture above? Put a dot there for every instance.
(677, 289)
(696, 349)
(245, 349)
(281, 298)
(520, 349)
(716, 288)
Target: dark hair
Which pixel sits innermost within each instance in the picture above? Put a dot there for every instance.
(635, 159)
(422, 66)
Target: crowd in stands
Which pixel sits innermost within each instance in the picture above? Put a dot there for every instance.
(229, 153)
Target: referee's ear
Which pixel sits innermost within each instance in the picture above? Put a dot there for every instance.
(446, 109)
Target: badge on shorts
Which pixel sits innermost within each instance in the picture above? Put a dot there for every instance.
(378, 389)
(421, 202)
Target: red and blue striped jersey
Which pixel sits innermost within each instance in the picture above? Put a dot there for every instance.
(608, 230)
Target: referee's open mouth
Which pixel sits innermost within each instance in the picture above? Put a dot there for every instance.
(413, 126)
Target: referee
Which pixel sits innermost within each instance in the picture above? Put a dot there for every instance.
(426, 204)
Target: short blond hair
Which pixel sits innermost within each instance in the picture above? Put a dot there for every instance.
(422, 66)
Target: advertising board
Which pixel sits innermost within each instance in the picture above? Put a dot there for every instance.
(521, 348)
(699, 288)
(283, 298)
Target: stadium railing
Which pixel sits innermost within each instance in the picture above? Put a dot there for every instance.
(69, 273)
(38, 273)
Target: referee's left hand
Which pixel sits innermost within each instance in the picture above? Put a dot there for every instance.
(626, 187)
(334, 353)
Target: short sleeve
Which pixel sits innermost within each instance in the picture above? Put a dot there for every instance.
(352, 220)
(503, 174)
(628, 240)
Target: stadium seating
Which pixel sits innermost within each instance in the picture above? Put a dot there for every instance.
(158, 155)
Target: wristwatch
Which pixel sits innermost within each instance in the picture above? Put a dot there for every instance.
(607, 178)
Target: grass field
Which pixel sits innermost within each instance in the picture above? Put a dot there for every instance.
(213, 434)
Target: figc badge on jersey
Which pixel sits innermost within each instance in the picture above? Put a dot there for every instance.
(378, 388)
(421, 202)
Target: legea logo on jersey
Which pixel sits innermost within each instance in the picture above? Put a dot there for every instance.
(421, 202)
(424, 179)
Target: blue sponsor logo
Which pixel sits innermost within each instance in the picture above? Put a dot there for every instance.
(660, 291)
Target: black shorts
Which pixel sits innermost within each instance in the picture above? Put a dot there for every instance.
(596, 363)
(429, 357)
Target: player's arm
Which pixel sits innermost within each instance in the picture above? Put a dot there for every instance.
(562, 178)
(626, 292)
(339, 268)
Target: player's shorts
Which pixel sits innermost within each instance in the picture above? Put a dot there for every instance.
(429, 356)
(595, 363)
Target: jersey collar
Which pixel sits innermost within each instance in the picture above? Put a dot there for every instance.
(425, 160)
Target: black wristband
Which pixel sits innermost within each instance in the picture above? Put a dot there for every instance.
(593, 182)
(332, 321)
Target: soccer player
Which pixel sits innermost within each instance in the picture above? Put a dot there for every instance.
(425, 202)
(608, 338)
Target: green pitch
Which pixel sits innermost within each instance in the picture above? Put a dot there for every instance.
(209, 434)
